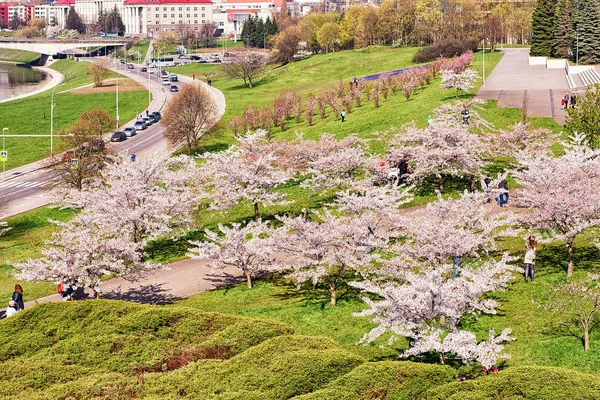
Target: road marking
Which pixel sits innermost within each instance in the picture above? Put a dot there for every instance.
(12, 184)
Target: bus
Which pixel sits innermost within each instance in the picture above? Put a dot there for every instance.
(162, 62)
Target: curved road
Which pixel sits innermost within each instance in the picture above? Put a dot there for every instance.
(28, 186)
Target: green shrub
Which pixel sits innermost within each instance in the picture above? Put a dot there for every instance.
(385, 380)
(530, 382)
(279, 368)
(445, 48)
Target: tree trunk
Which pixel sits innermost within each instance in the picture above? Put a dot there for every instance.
(250, 81)
(570, 258)
(442, 358)
(333, 293)
(586, 339)
(441, 183)
(248, 278)
(256, 214)
(96, 293)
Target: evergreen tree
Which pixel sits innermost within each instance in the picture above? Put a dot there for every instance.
(248, 31)
(258, 35)
(563, 44)
(588, 30)
(101, 20)
(74, 21)
(543, 28)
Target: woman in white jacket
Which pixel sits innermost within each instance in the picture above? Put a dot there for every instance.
(530, 246)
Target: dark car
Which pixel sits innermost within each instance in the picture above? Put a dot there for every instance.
(156, 115)
(118, 137)
(153, 118)
(122, 61)
(217, 60)
(164, 73)
(195, 58)
(144, 69)
(130, 66)
(174, 88)
(148, 120)
(202, 62)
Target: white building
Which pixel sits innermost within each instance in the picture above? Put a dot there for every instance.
(230, 15)
(89, 10)
(45, 12)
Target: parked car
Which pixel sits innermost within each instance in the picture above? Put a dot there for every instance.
(217, 60)
(118, 136)
(144, 69)
(151, 70)
(174, 88)
(130, 66)
(213, 56)
(122, 61)
(153, 118)
(140, 125)
(164, 73)
(130, 131)
(148, 121)
(174, 78)
(194, 57)
(202, 62)
(157, 115)
(166, 81)
(227, 54)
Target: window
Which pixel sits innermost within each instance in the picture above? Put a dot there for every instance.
(157, 29)
(180, 22)
(157, 22)
(195, 28)
(157, 15)
(172, 15)
(172, 8)
(221, 23)
(172, 29)
(180, 8)
(187, 9)
(203, 8)
(164, 15)
(164, 8)
(195, 8)
(187, 15)
(203, 21)
(195, 21)
(166, 29)
(203, 15)
(180, 15)
(172, 22)
(195, 15)
(156, 8)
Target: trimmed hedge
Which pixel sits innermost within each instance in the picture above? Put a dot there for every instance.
(386, 380)
(277, 369)
(445, 48)
(519, 383)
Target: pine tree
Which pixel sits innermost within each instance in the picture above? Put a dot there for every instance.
(248, 31)
(564, 30)
(588, 30)
(74, 21)
(543, 28)
(258, 36)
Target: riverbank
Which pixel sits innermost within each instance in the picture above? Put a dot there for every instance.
(55, 79)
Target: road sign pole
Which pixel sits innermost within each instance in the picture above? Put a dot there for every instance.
(5, 159)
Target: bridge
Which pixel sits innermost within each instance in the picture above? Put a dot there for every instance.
(55, 46)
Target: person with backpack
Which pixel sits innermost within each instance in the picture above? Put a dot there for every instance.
(17, 297)
(503, 193)
(530, 247)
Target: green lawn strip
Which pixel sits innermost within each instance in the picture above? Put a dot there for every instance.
(18, 56)
(24, 241)
(31, 115)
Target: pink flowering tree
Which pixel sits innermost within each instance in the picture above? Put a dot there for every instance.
(82, 252)
(237, 246)
(309, 109)
(426, 305)
(247, 171)
(449, 229)
(144, 199)
(561, 194)
(462, 81)
(441, 149)
(522, 137)
(329, 251)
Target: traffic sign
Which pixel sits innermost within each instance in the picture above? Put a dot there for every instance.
(3, 156)
(74, 163)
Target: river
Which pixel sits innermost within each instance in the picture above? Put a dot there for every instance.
(15, 80)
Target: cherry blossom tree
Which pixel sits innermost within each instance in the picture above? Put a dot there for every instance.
(440, 149)
(309, 110)
(247, 171)
(561, 193)
(143, 199)
(237, 125)
(329, 251)
(82, 252)
(238, 246)
(452, 228)
(464, 80)
(522, 137)
(427, 304)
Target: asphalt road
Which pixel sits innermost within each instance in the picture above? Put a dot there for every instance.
(29, 186)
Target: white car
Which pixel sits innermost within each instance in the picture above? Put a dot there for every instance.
(151, 70)
(166, 81)
(130, 131)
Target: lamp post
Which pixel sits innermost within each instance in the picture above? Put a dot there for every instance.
(52, 105)
(4, 149)
(118, 101)
(483, 58)
(577, 56)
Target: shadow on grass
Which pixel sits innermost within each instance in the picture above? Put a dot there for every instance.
(553, 258)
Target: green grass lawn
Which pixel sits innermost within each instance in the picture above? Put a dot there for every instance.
(31, 115)
(19, 56)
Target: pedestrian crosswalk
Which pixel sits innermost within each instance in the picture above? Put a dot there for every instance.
(26, 184)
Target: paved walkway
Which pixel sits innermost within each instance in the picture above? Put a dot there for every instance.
(514, 83)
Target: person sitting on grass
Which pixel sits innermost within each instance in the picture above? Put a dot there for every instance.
(12, 309)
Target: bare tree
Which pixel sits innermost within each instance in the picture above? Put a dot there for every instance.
(246, 65)
(99, 71)
(206, 34)
(189, 116)
(79, 166)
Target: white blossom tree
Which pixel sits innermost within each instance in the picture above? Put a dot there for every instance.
(441, 149)
(142, 199)
(243, 247)
(328, 251)
(561, 194)
(81, 253)
(522, 137)
(427, 304)
(464, 80)
(248, 171)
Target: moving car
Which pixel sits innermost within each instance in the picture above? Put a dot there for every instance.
(156, 115)
(130, 131)
(195, 58)
(130, 66)
(148, 121)
(140, 125)
(174, 88)
(174, 78)
(118, 136)
(144, 69)
(166, 81)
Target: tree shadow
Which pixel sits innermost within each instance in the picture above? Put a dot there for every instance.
(147, 294)
(553, 258)
(223, 280)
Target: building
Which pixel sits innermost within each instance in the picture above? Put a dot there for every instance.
(229, 15)
(24, 11)
(45, 12)
(4, 17)
(154, 18)
(61, 11)
(89, 10)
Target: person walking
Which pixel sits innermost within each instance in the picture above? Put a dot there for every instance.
(472, 185)
(530, 247)
(11, 309)
(503, 193)
(573, 101)
(564, 102)
(466, 116)
(17, 297)
(343, 115)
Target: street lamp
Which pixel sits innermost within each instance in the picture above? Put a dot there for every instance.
(483, 58)
(118, 101)
(52, 105)
(4, 149)
(577, 56)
